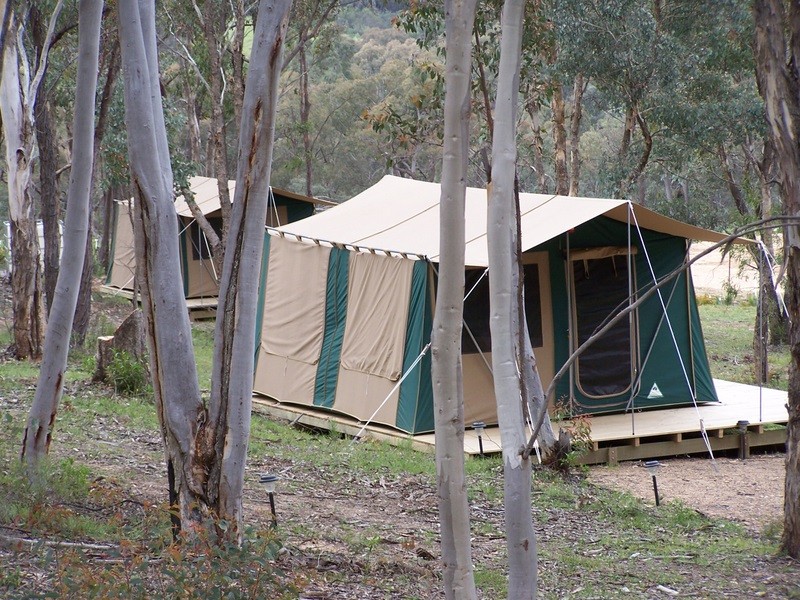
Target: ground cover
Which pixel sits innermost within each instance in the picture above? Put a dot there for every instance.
(354, 520)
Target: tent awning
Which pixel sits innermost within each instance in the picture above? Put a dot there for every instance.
(402, 215)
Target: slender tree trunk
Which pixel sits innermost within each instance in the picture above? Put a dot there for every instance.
(168, 331)
(42, 416)
(49, 199)
(225, 437)
(16, 113)
(507, 314)
(560, 139)
(730, 179)
(305, 112)
(83, 309)
(214, 19)
(534, 112)
(578, 88)
(457, 571)
(237, 60)
(779, 84)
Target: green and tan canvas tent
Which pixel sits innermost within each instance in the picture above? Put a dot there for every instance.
(200, 279)
(348, 296)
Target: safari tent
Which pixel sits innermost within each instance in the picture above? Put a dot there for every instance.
(200, 279)
(347, 300)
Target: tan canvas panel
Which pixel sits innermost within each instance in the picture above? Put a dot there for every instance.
(648, 219)
(202, 279)
(277, 216)
(377, 315)
(123, 268)
(360, 394)
(479, 404)
(294, 300)
(284, 379)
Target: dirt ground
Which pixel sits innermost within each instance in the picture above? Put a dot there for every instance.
(749, 491)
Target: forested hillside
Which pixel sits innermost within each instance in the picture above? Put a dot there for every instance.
(654, 101)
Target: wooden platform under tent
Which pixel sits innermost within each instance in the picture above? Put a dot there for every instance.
(627, 436)
(199, 308)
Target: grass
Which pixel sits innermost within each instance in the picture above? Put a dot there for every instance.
(592, 542)
(728, 332)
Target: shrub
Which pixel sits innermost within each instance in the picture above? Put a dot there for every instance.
(128, 373)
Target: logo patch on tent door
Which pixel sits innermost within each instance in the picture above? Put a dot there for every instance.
(655, 392)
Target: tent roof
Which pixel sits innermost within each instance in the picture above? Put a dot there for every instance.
(402, 215)
(206, 195)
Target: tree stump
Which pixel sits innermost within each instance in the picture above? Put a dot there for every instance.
(129, 337)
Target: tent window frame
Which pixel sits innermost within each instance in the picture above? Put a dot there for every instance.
(621, 257)
(477, 320)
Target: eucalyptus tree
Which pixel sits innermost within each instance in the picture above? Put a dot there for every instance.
(457, 577)
(777, 54)
(205, 445)
(507, 316)
(20, 82)
(38, 430)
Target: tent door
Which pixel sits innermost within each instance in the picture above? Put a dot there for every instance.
(601, 283)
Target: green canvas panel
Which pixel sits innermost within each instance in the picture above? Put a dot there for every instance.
(295, 209)
(113, 248)
(415, 406)
(704, 382)
(335, 321)
(663, 366)
(262, 288)
(184, 260)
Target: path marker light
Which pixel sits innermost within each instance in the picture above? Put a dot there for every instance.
(652, 467)
(479, 426)
(270, 481)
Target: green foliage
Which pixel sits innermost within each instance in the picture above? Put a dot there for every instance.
(128, 374)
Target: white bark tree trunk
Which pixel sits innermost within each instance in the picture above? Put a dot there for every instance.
(505, 310)
(168, 332)
(42, 415)
(235, 338)
(458, 577)
(18, 93)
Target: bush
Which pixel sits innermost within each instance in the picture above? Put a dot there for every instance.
(202, 567)
(128, 374)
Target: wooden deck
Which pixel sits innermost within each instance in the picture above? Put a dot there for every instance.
(199, 308)
(637, 436)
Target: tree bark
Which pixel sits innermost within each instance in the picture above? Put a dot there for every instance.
(457, 575)
(214, 18)
(168, 331)
(578, 88)
(305, 112)
(532, 105)
(42, 416)
(49, 200)
(16, 112)
(225, 437)
(560, 139)
(507, 314)
(779, 85)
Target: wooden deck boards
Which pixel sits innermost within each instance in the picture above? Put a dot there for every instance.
(199, 308)
(646, 434)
